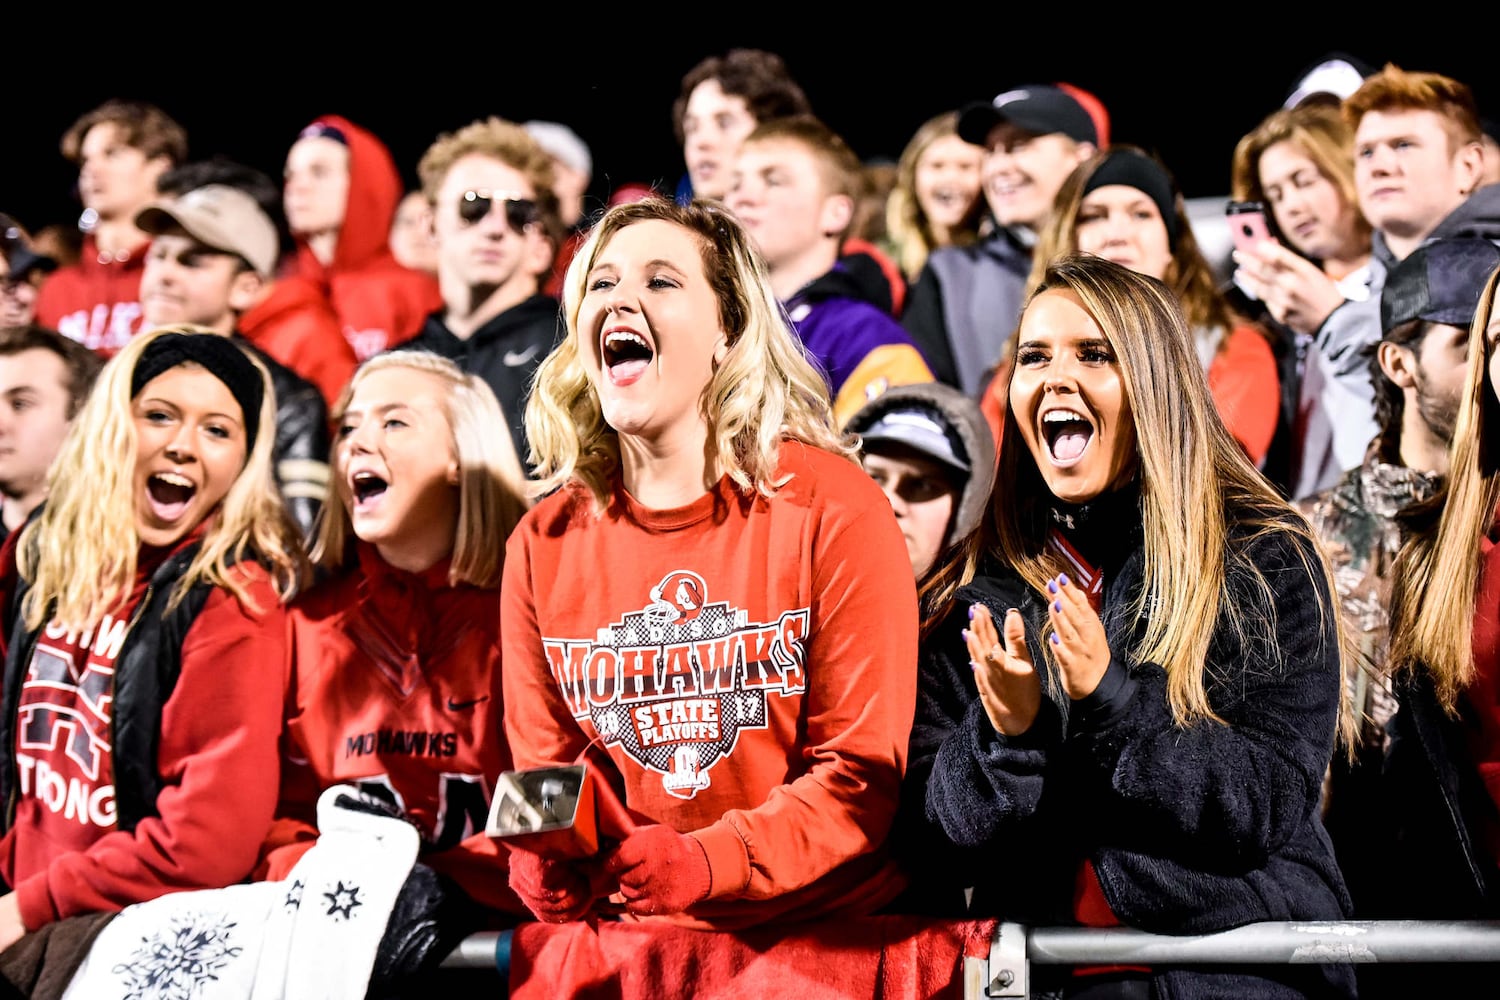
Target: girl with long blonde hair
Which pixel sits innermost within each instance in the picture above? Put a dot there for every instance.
(698, 497)
(147, 623)
(402, 636)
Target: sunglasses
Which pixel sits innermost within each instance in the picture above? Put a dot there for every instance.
(520, 213)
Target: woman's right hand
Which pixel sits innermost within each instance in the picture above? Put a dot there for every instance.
(1295, 291)
(1009, 686)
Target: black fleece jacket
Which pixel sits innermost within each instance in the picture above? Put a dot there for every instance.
(1190, 829)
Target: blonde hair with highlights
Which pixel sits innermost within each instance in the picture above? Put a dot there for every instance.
(908, 229)
(492, 484)
(1436, 575)
(80, 553)
(765, 390)
(1197, 489)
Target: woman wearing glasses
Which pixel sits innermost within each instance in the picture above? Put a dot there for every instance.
(494, 217)
(713, 596)
(340, 195)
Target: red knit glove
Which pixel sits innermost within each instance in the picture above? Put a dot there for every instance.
(660, 870)
(553, 890)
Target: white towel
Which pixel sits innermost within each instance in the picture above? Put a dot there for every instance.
(313, 935)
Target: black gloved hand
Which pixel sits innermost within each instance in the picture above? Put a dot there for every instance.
(430, 917)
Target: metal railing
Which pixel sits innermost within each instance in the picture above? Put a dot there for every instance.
(1014, 948)
(1005, 973)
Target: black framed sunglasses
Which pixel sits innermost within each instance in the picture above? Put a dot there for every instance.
(519, 212)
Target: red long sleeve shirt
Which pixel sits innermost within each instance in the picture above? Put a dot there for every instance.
(393, 684)
(748, 664)
(64, 854)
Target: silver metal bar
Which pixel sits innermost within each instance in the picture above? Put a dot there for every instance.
(477, 951)
(1352, 941)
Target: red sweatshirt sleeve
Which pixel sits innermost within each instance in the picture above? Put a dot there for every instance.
(218, 761)
(295, 829)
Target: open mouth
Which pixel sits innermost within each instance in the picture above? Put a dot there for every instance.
(1067, 434)
(948, 198)
(367, 488)
(169, 495)
(626, 356)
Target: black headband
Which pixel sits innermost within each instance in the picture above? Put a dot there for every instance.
(1145, 175)
(222, 359)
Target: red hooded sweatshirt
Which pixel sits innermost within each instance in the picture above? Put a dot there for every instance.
(297, 326)
(379, 302)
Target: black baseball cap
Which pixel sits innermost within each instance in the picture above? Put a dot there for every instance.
(1040, 108)
(23, 260)
(1439, 282)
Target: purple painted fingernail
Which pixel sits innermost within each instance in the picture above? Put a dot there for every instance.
(1062, 578)
(971, 612)
(1057, 605)
(1052, 586)
(966, 635)
(1055, 639)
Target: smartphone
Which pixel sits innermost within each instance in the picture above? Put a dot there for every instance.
(1247, 223)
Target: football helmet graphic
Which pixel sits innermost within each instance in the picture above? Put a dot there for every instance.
(684, 592)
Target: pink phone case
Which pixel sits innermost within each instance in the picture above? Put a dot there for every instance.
(1248, 227)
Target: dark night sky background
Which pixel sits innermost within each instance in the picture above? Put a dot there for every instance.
(1189, 95)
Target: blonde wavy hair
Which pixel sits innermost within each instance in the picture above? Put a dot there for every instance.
(1198, 490)
(908, 229)
(765, 390)
(492, 484)
(80, 553)
(1436, 574)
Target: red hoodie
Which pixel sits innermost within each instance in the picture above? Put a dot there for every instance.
(379, 302)
(297, 326)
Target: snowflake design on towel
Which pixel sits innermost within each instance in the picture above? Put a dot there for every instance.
(176, 963)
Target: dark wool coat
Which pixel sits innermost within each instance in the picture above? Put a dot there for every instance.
(1191, 829)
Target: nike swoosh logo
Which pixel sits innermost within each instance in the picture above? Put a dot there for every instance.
(514, 358)
(459, 706)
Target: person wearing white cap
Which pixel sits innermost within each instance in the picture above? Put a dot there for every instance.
(572, 166)
(212, 250)
(1328, 81)
(572, 173)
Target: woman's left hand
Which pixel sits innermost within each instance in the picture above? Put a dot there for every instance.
(1077, 638)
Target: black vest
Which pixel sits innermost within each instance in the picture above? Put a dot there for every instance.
(145, 674)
